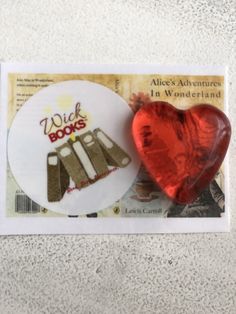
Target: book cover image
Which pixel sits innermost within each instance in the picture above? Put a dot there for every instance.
(70, 151)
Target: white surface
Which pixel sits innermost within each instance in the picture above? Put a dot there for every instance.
(121, 274)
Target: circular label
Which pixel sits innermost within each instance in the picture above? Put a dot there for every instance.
(70, 147)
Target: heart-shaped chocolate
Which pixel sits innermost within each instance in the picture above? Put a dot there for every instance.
(181, 149)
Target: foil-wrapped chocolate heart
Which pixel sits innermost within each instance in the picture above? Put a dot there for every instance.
(181, 149)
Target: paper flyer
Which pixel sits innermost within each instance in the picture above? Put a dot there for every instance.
(68, 160)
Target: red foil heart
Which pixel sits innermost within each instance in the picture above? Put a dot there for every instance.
(182, 150)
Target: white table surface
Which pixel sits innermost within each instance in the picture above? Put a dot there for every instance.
(169, 274)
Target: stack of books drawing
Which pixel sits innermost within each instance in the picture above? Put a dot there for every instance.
(86, 160)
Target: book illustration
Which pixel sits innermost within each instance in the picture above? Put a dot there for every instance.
(83, 157)
(89, 158)
(114, 154)
(94, 151)
(58, 178)
(72, 164)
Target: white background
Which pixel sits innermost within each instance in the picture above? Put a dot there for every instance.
(121, 274)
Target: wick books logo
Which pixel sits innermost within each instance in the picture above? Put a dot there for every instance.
(59, 125)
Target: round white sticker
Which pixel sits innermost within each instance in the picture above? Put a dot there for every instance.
(70, 147)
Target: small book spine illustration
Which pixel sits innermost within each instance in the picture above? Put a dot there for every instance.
(95, 153)
(58, 178)
(72, 165)
(114, 154)
(84, 158)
